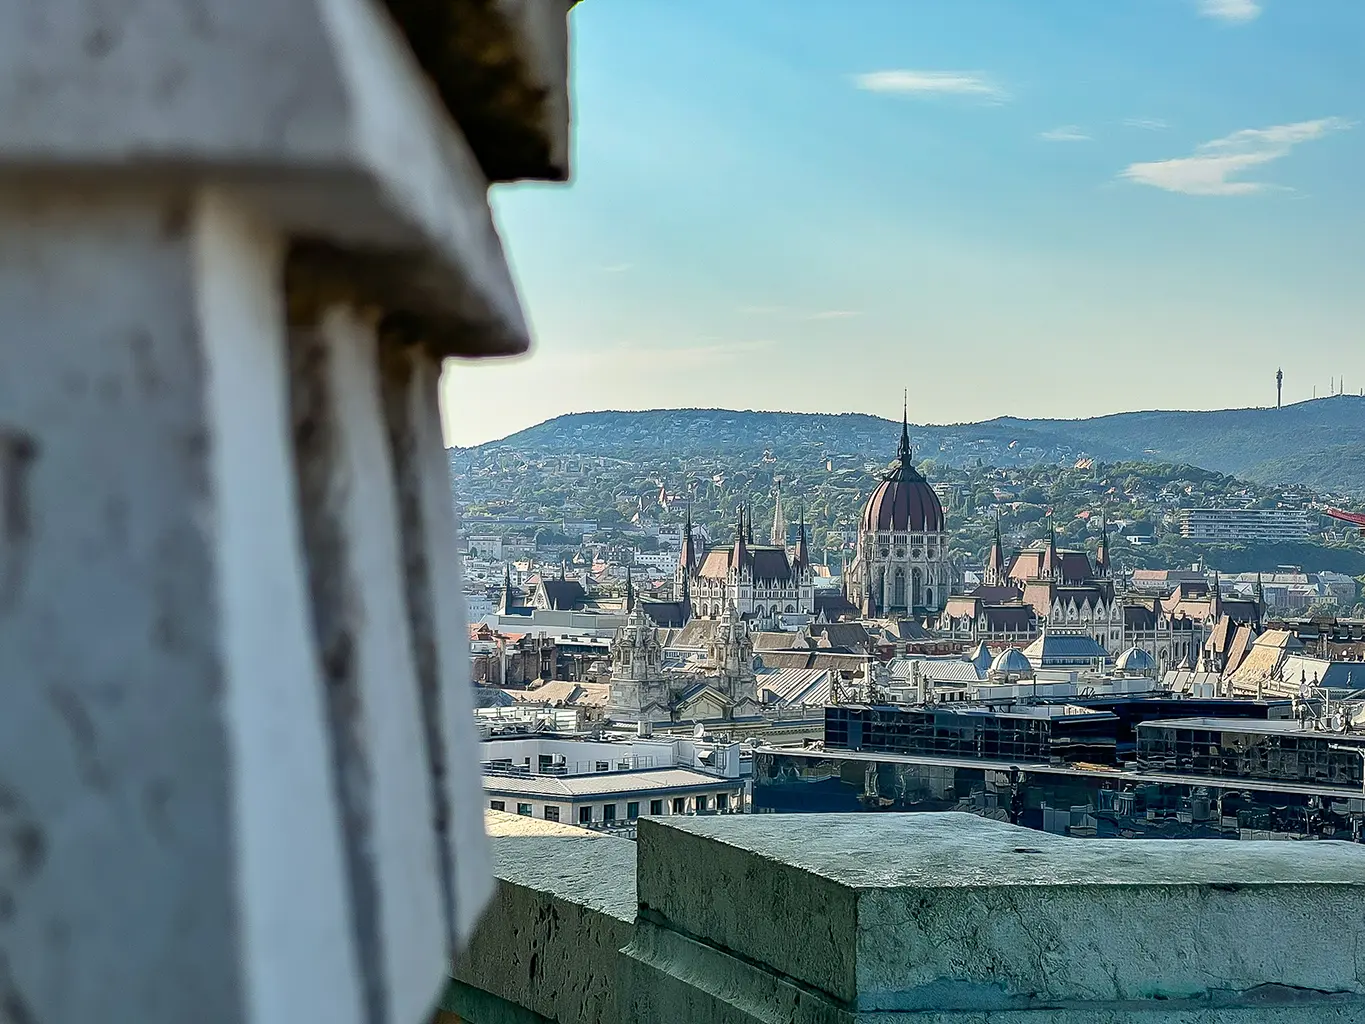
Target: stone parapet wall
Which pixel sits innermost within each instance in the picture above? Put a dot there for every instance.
(942, 919)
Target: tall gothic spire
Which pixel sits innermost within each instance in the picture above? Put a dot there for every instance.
(630, 592)
(749, 534)
(779, 532)
(903, 452)
(741, 551)
(801, 558)
(687, 556)
(995, 565)
(1102, 553)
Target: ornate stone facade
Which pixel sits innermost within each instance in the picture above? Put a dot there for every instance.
(762, 582)
(644, 691)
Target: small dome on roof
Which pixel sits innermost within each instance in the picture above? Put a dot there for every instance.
(1135, 661)
(1011, 662)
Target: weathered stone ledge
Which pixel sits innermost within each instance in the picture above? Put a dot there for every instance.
(935, 918)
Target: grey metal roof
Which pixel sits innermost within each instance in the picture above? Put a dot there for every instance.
(798, 685)
(1064, 649)
(941, 670)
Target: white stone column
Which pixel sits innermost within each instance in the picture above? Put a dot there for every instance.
(238, 772)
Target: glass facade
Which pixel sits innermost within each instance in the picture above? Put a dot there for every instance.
(1277, 755)
(991, 736)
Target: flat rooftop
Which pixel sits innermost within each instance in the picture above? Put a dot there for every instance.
(1277, 726)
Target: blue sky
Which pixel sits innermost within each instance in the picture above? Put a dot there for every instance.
(1059, 208)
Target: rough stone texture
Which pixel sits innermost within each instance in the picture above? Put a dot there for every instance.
(168, 833)
(314, 109)
(501, 68)
(939, 912)
(564, 906)
(437, 617)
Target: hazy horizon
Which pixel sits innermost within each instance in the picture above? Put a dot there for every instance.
(892, 420)
(1137, 205)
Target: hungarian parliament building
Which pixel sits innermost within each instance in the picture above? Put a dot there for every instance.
(902, 569)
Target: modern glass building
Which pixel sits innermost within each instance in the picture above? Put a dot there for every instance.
(1272, 751)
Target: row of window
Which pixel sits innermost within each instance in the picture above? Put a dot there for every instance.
(678, 805)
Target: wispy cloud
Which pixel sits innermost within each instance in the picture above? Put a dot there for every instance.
(1147, 124)
(932, 83)
(1215, 165)
(617, 268)
(1066, 133)
(1234, 11)
(788, 313)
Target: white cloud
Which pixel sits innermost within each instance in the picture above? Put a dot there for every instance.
(617, 268)
(1215, 165)
(931, 83)
(1147, 124)
(1234, 11)
(1066, 133)
(788, 313)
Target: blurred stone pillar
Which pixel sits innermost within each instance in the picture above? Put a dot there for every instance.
(238, 778)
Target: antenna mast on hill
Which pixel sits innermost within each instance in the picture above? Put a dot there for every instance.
(1279, 386)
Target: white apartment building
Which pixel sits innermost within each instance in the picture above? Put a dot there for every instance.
(606, 784)
(1243, 524)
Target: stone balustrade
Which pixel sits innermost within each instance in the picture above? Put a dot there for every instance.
(238, 779)
(932, 918)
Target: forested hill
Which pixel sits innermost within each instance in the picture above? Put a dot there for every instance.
(1320, 443)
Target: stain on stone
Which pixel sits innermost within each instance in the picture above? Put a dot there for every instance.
(175, 220)
(156, 798)
(14, 1008)
(98, 43)
(18, 451)
(84, 737)
(149, 378)
(23, 847)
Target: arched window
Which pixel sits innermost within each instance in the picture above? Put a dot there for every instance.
(929, 597)
(916, 582)
(790, 609)
(898, 592)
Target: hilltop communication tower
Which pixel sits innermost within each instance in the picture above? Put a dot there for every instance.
(1279, 386)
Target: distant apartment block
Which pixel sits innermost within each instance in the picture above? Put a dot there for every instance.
(1243, 524)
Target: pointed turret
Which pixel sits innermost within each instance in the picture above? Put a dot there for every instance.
(779, 532)
(1102, 567)
(630, 592)
(995, 563)
(687, 555)
(506, 607)
(1052, 563)
(903, 452)
(749, 520)
(801, 557)
(741, 552)
(1216, 600)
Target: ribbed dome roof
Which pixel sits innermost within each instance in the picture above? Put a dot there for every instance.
(903, 502)
(1012, 662)
(1135, 660)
